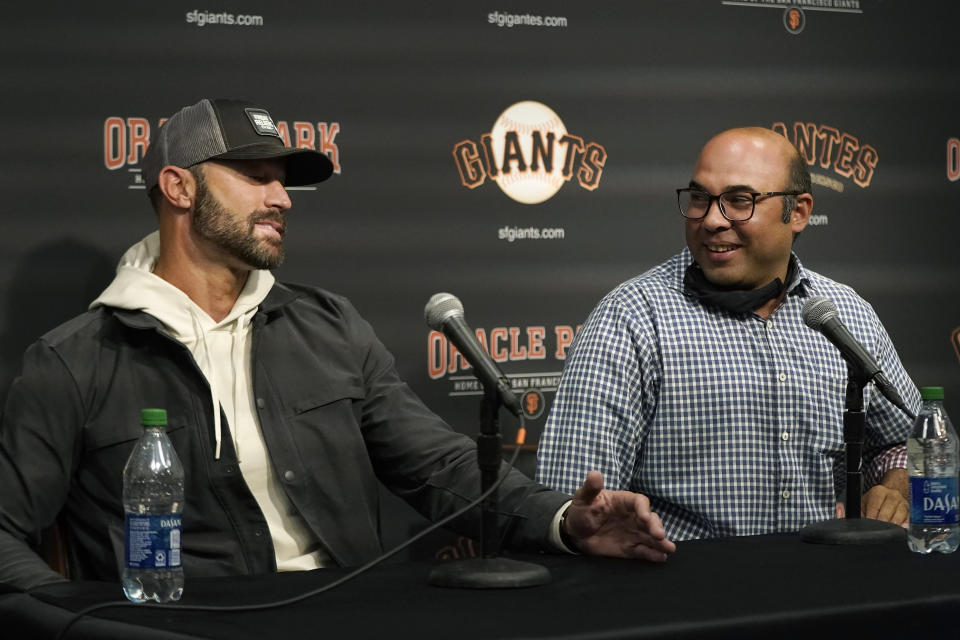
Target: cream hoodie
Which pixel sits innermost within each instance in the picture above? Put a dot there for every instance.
(222, 352)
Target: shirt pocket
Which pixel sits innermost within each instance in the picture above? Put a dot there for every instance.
(338, 403)
(327, 420)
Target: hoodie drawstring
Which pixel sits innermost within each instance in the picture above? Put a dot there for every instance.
(238, 335)
(206, 364)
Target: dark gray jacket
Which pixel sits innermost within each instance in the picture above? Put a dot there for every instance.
(334, 414)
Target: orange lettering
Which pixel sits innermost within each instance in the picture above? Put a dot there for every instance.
(805, 140)
(830, 137)
(304, 135)
(842, 165)
(455, 355)
(114, 142)
(498, 353)
(284, 132)
(866, 163)
(535, 337)
(436, 354)
(592, 166)
(139, 138)
(516, 351)
(953, 159)
(327, 145)
(573, 154)
(564, 334)
(469, 164)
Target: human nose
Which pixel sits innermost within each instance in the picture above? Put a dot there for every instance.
(714, 218)
(277, 196)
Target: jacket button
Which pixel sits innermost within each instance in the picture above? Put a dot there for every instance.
(260, 403)
(289, 476)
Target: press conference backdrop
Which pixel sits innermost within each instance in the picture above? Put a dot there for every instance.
(521, 155)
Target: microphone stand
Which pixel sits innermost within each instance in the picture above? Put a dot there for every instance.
(489, 571)
(853, 529)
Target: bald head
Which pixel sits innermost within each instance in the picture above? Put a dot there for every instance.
(760, 151)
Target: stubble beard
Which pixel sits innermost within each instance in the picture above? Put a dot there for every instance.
(213, 222)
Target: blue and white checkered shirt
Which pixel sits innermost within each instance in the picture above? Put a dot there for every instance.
(731, 424)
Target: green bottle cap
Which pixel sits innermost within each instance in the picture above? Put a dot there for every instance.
(153, 417)
(931, 393)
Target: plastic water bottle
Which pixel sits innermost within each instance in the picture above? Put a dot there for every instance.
(932, 464)
(153, 503)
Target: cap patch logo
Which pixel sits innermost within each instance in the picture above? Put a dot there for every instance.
(262, 122)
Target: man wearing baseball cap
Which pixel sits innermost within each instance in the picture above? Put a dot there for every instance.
(283, 406)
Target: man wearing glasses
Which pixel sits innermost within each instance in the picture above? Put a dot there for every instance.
(698, 384)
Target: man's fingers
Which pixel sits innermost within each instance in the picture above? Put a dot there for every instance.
(590, 489)
(888, 511)
(902, 516)
(652, 554)
(651, 522)
(885, 505)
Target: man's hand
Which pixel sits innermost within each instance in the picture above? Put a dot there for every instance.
(615, 523)
(888, 501)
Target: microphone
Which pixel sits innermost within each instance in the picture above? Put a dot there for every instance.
(444, 313)
(820, 314)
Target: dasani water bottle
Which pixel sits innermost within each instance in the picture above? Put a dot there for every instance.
(932, 465)
(153, 503)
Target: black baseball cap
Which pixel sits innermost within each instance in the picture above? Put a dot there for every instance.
(224, 129)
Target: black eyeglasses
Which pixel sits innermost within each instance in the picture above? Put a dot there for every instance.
(735, 206)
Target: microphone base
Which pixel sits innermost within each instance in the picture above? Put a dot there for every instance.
(488, 573)
(853, 531)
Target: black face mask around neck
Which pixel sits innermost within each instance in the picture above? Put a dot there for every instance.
(734, 300)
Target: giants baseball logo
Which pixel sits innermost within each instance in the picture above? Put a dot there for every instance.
(794, 20)
(529, 154)
(125, 140)
(533, 404)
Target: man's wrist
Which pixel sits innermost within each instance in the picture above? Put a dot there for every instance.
(565, 537)
(559, 538)
(899, 480)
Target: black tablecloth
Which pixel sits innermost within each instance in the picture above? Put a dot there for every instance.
(750, 587)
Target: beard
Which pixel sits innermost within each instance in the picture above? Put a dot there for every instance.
(236, 236)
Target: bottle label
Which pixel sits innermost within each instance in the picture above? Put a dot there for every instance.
(153, 541)
(933, 500)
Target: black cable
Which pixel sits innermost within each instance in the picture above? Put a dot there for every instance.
(314, 592)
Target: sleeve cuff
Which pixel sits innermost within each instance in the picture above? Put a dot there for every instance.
(556, 538)
(894, 457)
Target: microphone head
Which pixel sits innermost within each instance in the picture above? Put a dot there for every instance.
(817, 310)
(440, 308)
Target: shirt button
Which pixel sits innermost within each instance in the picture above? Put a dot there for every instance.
(781, 377)
(260, 403)
(784, 436)
(289, 476)
(769, 324)
(785, 494)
